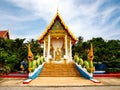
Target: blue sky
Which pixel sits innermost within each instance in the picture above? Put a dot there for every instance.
(87, 18)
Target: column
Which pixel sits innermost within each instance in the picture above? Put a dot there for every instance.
(48, 52)
(44, 48)
(70, 50)
(66, 48)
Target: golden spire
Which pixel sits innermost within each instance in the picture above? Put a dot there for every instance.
(57, 9)
(90, 54)
(30, 54)
(90, 57)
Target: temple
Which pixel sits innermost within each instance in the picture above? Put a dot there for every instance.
(57, 61)
(57, 40)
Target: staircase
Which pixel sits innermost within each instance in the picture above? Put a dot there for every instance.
(59, 70)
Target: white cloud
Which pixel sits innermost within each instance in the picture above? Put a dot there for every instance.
(83, 19)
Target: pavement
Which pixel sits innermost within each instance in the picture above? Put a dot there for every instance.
(109, 81)
(60, 83)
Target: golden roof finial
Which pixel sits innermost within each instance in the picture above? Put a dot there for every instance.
(57, 7)
(57, 10)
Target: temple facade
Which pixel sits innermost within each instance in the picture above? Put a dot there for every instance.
(57, 40)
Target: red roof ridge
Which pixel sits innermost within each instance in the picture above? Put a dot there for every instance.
(3, 33)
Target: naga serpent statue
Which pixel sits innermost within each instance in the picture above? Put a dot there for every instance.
(88, 64)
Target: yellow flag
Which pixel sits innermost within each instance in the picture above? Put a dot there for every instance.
(30, 54)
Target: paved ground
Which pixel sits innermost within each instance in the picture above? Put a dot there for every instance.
(63, 88)
(61, 84)
(59, 81)
(11, 81)
(62, 81)
(109, 80)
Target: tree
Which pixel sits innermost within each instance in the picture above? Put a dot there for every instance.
(77, 48)
(36, 47)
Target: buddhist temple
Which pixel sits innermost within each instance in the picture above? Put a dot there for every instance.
(57, 40)
(57, 61)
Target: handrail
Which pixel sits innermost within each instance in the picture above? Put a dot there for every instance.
(84, 72)
(36, 72)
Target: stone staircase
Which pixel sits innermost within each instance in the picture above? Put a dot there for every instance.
(59, 70)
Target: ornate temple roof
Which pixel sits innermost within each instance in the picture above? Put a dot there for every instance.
(4, 34)
(57, 17)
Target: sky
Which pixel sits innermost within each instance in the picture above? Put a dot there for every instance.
(87, 18)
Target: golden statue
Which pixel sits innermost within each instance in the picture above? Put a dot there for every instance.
(58, 54)
(30, 54)
(90, 58)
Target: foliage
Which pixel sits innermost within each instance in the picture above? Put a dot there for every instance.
(13, 52)
(104, 51)
(36, 47)
(113, 70)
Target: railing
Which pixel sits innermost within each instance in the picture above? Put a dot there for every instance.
(84, 67)
(36, 66)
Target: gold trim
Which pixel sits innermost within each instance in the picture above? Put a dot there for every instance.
(52, 22)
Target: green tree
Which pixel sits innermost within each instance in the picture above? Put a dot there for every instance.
(36, 47)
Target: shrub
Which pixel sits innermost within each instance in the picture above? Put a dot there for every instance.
(112, 70)
(8, 68)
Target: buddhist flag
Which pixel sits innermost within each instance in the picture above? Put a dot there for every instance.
(90, 54)
(30, 54)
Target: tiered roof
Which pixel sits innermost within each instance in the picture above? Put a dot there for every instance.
(57, 17)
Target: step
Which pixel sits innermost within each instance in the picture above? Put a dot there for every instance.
(59, 70)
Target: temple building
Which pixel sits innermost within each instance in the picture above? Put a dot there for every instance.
(57, 40)
(4, 34)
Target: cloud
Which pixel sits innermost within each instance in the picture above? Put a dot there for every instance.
(88, 18)
(40, 8)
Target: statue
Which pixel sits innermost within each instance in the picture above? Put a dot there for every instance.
(58, 54)
(30, 58)
(24, 65)
(75, 57)
(90, 59)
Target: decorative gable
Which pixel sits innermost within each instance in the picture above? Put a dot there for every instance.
(57, 25)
